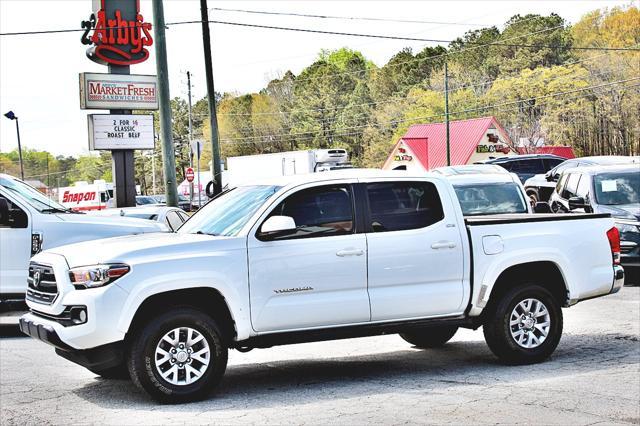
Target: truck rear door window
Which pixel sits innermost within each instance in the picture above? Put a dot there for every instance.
(397, 206)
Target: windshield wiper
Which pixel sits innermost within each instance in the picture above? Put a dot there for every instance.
(208, 233)
(58, 210)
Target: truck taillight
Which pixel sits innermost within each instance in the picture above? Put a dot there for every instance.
(614, 242)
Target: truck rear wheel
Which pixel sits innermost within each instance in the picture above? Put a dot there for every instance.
(432, 337)
(178, 356)
(524, 326)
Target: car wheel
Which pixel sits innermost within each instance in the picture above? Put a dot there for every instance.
(179, 356)
(533, 197)
(525, 325)
(432, 337)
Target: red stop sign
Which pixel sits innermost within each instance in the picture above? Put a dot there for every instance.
(189, 174)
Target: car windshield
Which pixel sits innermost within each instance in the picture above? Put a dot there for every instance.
(35, 198)
(228, 214)
(145, 200)
(490, 198)
(617, 188)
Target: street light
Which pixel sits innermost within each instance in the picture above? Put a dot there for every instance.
(11, 116)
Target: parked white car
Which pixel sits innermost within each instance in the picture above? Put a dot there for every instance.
(29, 222)
(316, 257)
(171, 217)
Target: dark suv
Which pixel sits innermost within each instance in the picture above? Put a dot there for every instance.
(525, 166)
(606, 189)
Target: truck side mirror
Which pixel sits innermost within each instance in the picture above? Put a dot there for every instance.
(577, 203)
(551, 177)
(277, 226)
(542, 207)
(4, 212)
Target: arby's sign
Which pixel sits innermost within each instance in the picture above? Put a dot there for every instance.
(117, 33)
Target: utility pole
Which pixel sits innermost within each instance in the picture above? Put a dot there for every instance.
(446, 110)
(211, 95)
(190, 140)
(168, 156)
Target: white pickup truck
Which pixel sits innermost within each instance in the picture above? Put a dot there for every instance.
(317, 257)
(29, 222)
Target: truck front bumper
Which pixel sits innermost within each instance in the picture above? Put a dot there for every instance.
(95, 359)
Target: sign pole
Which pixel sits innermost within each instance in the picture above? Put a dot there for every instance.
(168, 155)
(123, 169)
(190, 139)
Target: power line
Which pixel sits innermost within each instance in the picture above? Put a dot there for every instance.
(402, 38)
(380, 36)
(394, 122)
(350, 18)
(401, 98)
(551, 95)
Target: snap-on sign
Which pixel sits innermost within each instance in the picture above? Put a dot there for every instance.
(120, 34)
(78, 197)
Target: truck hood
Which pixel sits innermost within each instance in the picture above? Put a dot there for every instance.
(142, 248)
(116, 222)
(624, 211)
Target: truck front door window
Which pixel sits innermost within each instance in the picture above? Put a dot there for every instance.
(397, 206)
(318, 212)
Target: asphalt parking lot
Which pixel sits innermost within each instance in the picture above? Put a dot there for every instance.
(593, 377)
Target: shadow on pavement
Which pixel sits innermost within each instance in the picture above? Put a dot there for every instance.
(10, 330)
(292, 382)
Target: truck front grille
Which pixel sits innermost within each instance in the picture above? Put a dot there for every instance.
(41, 284)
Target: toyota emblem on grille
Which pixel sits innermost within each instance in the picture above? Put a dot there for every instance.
(36, 278)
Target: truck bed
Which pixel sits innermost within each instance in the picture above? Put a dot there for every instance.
(529, 217)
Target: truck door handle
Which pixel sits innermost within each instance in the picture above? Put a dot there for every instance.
(350, 252)
(443, 245)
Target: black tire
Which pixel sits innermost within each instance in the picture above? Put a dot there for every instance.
(119, 372)
(432, 337)
(533, 197)
(141, 356)
(497, 328)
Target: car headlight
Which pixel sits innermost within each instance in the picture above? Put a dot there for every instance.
(96, 275)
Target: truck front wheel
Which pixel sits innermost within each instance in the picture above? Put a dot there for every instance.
(524, 326)
(178, 356)
(432, 337)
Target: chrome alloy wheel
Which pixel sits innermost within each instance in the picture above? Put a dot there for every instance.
(530, 323)
(182, 356)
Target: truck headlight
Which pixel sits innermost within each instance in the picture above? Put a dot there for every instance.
(96, 275)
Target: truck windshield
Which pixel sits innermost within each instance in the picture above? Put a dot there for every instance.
(615, 189)
(490, 198)
(229, 213)
(35, 198)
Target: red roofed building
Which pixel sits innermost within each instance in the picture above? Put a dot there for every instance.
(562, 151)
(424, 147)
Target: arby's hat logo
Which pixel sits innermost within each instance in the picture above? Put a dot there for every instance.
(119, 35)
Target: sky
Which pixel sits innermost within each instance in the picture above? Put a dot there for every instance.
(39, 73)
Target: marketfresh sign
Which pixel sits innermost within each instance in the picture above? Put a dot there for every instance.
(115, 131)
(116, 91)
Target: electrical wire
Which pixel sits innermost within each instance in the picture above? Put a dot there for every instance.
(467, 110)
(349, 18)
(391, 123)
